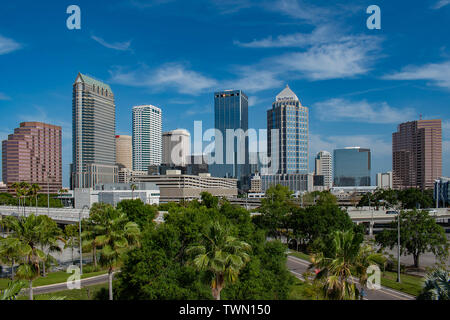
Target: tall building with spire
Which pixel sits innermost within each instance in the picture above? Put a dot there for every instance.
(290, 118)
(93, 133)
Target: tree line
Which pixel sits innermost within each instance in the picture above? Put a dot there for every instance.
(211, 249)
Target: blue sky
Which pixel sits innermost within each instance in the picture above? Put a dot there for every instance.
(358, 83)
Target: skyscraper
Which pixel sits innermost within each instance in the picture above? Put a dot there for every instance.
(324, 167)
(290, 118)
(147, 145)
(124, 151)
(231, 113)
(417, 154)
(33, 154)
(352, 167)
(93, 131)
(176, 146)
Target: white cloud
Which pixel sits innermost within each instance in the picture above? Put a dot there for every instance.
(301, 10)
(441, 4)
(437, 73)
(333, 61)
(198, 110)
(4, 96)
(320, 35)
(173, 75)
(255, 78)
(328, 54)
(360, 111)
(120, 46)
(8, 45)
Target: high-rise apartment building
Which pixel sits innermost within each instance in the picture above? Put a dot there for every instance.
(147, 130)
(93, 133)
(290, 118)
(232, 158)
(417, 154)
(33, 154)
(124, 151)
(351, 167)
(324, 167)
(176, 147)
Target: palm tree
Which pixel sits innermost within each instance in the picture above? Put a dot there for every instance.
(133, 187)
(12, 291)
(18, 191)
(350, 259)
(24, 188)
(221, 255)
(70, 235)
(11, 250)
(28, 231)
(34, 189)
(116, 235)
(90, 229)
(436, 286)
(48, 239)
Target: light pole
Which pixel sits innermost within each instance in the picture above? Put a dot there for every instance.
(48, 194)
(398, 247)
(437, 193)
(371, 223)
(81, 247)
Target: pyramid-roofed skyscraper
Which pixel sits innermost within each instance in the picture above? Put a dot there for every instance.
(290, 118)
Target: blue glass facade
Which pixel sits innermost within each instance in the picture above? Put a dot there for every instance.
(290, 118)
(352, 167)
(231, 112)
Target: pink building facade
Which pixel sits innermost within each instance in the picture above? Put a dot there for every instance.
(33, 154)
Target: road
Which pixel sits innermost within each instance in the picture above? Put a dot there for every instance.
(63, 286)
(295, 265)
(298, 267)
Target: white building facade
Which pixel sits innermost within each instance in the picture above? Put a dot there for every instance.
(384, 180)
(147, 130)
(324, 167)
(176, 147)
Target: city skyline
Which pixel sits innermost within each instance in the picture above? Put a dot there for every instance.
(389, 81)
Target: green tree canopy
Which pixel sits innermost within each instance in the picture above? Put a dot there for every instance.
(419, 233)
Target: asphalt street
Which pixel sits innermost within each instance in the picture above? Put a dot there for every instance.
(295, 265)
(63, 286)
(298, 267)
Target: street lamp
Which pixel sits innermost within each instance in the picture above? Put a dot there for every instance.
(437, 193)
(81, 247)
(398, 247)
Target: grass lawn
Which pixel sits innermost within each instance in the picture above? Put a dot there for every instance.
(300, 255)
(85, 293)
(299, 291)
(410, 284)
(51, 278)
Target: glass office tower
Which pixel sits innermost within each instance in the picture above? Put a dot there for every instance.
(231, 112)
(290, 118)
(352, 167)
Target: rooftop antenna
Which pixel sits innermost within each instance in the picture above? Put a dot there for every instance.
(420, 117)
